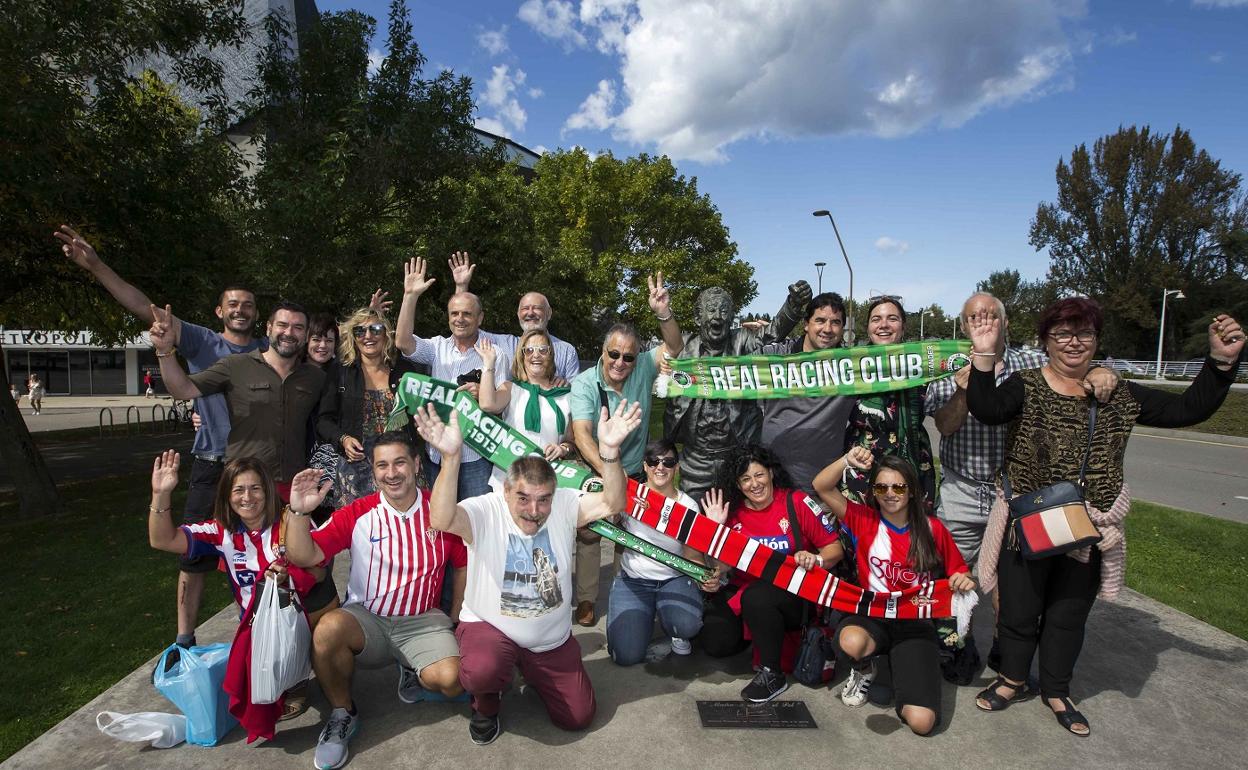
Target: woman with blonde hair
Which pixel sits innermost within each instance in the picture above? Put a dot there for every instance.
(358, 397)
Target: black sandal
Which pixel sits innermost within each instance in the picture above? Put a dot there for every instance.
(1070, 717)
(995, 701)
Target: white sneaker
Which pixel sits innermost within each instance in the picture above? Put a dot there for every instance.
(855, 691)
(331, 747)
(681, 646)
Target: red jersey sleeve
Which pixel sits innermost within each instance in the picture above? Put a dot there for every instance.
(859, 518)
(456, 551)
(334, 536)
(948, 550)
(814, 534)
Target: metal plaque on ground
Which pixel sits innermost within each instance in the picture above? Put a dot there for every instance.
(735, 713)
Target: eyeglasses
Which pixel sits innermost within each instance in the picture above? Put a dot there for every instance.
(1061, 338)
(541, 349)
(882, 489)
(628, 357)
(359, 331)
(666, 462)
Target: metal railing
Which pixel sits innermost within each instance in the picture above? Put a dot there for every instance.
(1170, 370)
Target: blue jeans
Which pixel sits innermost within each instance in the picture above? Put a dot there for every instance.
(474, 477)
(630, 615)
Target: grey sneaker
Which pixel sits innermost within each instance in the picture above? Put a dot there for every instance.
(681, 646)
(331, 747)
(855, 691)
(410, 690)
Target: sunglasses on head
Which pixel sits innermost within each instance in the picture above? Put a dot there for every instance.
(666, 462)
(882, 489)
(542, 349)
(377, 329)
(628, 357)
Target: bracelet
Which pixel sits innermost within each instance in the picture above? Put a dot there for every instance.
(154, 509)
(609, 460)
(163, 355)
(990, 355)
(662, 319)
(1223, 361)
(295, 513)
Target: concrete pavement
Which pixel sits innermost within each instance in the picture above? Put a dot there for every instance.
(1200, 472)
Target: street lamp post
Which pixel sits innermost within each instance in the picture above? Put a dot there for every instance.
(1161, 328)
(849, 320)
(955, 328)
(819, 266)
(921, 314)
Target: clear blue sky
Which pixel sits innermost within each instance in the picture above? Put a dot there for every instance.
(931, 130)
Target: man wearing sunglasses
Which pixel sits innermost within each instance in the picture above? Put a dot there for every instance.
(710, 428)
(623, 373)
(533, 312)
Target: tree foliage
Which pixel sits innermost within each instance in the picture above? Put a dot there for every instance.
(1138, 213)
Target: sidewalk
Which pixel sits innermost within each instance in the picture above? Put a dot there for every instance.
(66, 412)
(1161, 690)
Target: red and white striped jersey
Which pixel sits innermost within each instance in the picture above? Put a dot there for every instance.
(247, 555)
(397, 559)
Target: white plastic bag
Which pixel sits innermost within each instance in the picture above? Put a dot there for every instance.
(280, 644)
(161, 730)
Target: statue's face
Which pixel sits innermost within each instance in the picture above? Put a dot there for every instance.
(714, 318)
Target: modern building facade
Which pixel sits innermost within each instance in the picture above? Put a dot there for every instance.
(75, 364)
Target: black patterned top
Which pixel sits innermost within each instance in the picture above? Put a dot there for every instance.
(1048, 431)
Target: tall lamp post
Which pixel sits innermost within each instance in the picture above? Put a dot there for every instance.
(819, 266)
(1161, 328)
(921, 314)
(849, 321)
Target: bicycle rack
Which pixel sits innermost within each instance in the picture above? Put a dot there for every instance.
(155, 422)
(111, 426)
(138, 419)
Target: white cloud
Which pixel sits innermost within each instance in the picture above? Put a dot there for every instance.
(1221, 3)
(553, 19)
(375, 58)
(491, 125)
(1217, 57)
(1118, 36)
(500, 96)
(540, 149)
(493, 41)
(887, 245)
(595, 112)
(536, 93)
(696, 77)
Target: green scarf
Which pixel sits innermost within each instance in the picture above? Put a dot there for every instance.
(533, 409)
(830, 372)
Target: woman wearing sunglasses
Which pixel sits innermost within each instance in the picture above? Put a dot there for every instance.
(897, 546)
(761, 503)
(530, 402)
(643, 587)
(359, 394)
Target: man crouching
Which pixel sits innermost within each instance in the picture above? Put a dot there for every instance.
(516, 609)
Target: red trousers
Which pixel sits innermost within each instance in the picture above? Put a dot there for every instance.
(488, 660)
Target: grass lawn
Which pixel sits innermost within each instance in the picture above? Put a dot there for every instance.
(86, 600)
(1230, 420)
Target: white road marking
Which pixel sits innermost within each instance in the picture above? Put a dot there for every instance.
(1188, 440)
(1241, 497)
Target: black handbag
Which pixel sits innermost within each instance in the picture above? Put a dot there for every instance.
(1054, 520)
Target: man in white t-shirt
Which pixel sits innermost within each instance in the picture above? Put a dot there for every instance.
(516, 605)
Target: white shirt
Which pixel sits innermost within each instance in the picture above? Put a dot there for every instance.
(521, 585)
(513, 415)
(636, 565)
(567, 363)
(446, 362)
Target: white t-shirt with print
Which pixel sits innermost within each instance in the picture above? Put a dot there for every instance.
(519, 584)
(643, 567)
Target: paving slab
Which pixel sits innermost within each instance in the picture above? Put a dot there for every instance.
(1160, 689)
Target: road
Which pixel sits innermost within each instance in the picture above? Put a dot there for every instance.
(1193, 471)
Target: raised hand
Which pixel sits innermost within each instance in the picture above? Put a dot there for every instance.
(165, 472)
(985, 332)
(161, 332)
(614, 428)
(1226, 338)
(461, 270)
(77, 249)
(307, 491)
(379, 302)
(445, 438)
(487, 351)
(414, 281)
(859, 458)
(714, 506)
(799, 294)
(660, 300)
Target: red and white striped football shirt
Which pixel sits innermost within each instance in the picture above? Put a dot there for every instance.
(247, 556)
(397, 559)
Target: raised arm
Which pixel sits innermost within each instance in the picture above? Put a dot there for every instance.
(991, 404)
(127, 295)
(161, 533)
(612, 430)
(461, 271)
(790, 312)
(414, 285)
(661, 304)
(177, 382)
(1167, 409)
(493, 398)
(306, 495)
(827, 482)
(445, 514)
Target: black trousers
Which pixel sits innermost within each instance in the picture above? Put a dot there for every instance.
(767, 610)
(1044, 603)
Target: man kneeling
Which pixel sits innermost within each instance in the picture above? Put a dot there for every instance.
(520, 542)
(391, 613)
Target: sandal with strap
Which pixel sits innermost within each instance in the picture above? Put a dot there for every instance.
(1070, 717)
(995, 701)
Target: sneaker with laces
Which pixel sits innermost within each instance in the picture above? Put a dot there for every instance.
(331, 747)
(482, 729)
(855, 691)
(681, 646)
(410, 690)
(765, 685)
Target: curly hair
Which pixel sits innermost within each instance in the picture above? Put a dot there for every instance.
(738, 461)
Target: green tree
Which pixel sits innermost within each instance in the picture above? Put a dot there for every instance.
(1138, 213)
(1023, 301)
